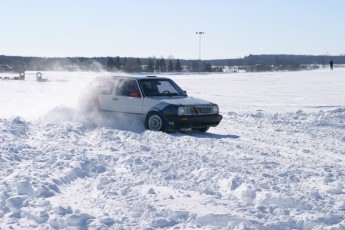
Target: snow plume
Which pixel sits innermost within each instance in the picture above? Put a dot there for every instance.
(31, 99)
(72, 64)
(65, 97)
(97, 119)
(87, 113)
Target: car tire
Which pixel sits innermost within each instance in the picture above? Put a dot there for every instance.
(155, 122)
(203, 130)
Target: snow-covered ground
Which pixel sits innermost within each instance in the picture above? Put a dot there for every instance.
(276, 161)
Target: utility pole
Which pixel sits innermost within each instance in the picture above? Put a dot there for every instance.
(200, 33)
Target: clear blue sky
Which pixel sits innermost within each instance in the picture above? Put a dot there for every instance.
(147, 28)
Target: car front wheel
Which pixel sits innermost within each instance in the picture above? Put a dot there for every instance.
(155, 122)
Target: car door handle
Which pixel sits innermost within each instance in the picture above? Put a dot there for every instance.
(115, 99)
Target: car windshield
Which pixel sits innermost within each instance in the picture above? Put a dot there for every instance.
(161, 87)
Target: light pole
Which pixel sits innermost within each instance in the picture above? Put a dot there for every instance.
(200, 33)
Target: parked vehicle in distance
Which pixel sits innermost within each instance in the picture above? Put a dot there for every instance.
(163, 105)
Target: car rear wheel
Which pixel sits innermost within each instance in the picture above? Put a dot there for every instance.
(155, 122)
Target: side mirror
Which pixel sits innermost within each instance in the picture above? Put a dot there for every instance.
(185, 92)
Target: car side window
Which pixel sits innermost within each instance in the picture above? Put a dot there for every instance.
(128, 88)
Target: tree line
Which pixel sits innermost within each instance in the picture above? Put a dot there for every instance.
(137, 65)
(125, 64)
(152, 64)
(159, 65)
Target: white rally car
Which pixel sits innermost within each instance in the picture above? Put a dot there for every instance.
(162, 103)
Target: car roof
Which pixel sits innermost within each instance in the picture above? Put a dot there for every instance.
(139, 77)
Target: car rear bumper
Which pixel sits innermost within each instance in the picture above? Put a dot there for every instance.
(202, 121)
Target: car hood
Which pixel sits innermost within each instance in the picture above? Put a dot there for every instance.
(185, 101)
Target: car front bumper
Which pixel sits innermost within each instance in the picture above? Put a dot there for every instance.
(201, 121)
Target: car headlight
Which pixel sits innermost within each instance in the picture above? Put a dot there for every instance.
(215, 109)
(181, 110)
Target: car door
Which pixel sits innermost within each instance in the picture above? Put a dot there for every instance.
(127, 97)
(105, 93)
